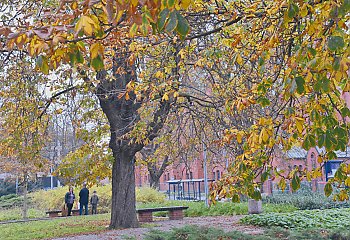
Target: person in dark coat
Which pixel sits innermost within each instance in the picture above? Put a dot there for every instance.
(94, 201)
(69, 200)
(84, 199)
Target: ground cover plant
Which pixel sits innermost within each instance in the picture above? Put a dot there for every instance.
(305, 219)
(304, 199)
(193, 232)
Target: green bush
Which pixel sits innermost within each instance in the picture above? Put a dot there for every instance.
(10, 201)
(303, 219)
(149, 195)
(54, 199)
(7, 186)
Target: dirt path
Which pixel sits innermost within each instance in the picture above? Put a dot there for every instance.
(226, 223)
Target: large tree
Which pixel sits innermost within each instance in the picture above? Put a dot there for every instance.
(291, 56)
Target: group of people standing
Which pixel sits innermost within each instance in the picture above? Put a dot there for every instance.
(83, 201)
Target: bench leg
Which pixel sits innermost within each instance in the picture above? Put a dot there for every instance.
(176, 215)
(145, 217)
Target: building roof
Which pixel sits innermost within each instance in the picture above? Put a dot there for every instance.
(296, 153)
(187, 180)
(340, 154)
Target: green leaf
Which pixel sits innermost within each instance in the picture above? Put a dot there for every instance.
(293, 10)
(182, 27)
(335, 43)
(336, 63)
(295, 183)
(72, 58)
(263, 101)
(42, 64)
(171, 3)
(300, 84)
(310, 141)
(328, 189)
(79, 57)
(264, 176)
(321, 140)
(344, 8)
(312, 51)
(97, 63)
(331, 155)
(235, 198)
(328, 143)
(323, 85)
(345, 112)
(171, 25)
(163, 16)
(256, 195)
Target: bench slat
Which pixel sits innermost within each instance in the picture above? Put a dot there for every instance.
(159, 209)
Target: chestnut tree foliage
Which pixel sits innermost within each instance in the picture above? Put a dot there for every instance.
(264, 73)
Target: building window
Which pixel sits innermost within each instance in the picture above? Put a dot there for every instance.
(164, 176)
(168, 176)
(214, 175)
(191, 175)
(217, 174)
(187, 176)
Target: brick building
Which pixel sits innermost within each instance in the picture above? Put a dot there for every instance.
(294, 158)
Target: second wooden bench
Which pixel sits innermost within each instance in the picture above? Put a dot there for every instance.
(175, 213)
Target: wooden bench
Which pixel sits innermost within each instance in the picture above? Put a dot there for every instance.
(55, 213)
(175, 213)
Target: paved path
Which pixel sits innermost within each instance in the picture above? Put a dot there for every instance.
(226, 223)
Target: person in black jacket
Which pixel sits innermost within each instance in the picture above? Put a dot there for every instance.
(69, 200)
(84, 199)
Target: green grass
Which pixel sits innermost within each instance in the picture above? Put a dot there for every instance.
(55, 227)
(16, 213)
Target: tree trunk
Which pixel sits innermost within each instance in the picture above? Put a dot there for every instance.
(154, 181)
(122, 114)
(25, 197)
(123, 191)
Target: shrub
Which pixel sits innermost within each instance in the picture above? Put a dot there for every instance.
(54, 199)
(49, 199)
(303, 219)
(149, 195)
(7, 186)
(10, 201)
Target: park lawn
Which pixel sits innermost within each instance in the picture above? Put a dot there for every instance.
(54, 228)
